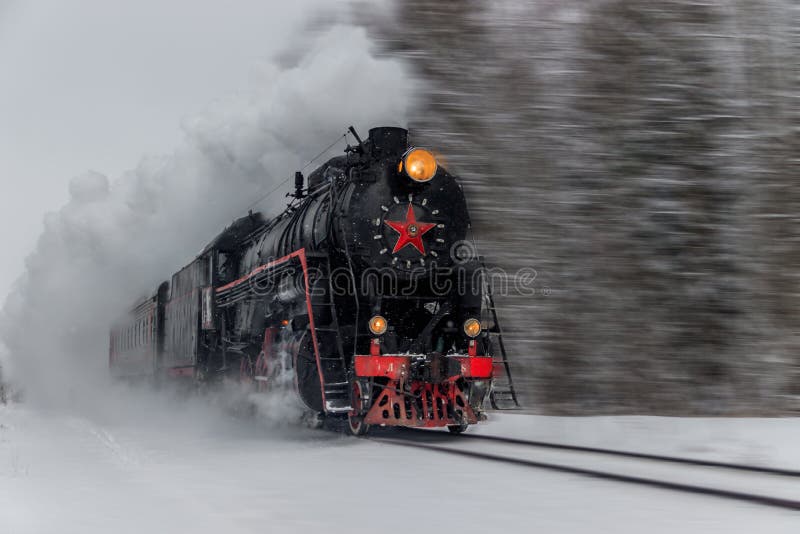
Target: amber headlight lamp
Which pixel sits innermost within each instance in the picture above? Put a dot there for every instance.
(420, 165)
(378, 325)
(472, 327)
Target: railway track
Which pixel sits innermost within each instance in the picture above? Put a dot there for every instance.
(766, 486)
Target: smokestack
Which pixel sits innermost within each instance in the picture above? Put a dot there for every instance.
(388, 140)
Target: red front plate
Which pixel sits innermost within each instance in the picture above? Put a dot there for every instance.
(395, 366)
(476, 366)
(388, 366)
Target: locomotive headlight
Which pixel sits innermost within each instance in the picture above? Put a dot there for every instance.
(378, 325)
(472, 327)
(420, 164)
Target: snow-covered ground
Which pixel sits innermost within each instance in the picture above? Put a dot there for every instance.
(196, 470)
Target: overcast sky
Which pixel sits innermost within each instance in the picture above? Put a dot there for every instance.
(96, 84)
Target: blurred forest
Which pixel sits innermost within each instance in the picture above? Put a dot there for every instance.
(642, 157)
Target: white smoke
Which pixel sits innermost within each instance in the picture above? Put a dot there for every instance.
(115, 240)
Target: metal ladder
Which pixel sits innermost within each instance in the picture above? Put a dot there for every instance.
(326, 327)
(503, 396)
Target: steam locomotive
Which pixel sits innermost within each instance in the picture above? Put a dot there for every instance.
(363, 297)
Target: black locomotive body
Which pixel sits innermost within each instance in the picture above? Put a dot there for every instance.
(358, 297)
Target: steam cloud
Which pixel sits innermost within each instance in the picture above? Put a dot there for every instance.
(114, 241)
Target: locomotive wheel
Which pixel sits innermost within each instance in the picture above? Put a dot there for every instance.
(355, 419)
(457, 429)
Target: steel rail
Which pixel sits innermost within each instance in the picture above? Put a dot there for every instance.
(625, 454)
(753, 498)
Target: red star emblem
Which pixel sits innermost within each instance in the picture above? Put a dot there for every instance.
(410, 231)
